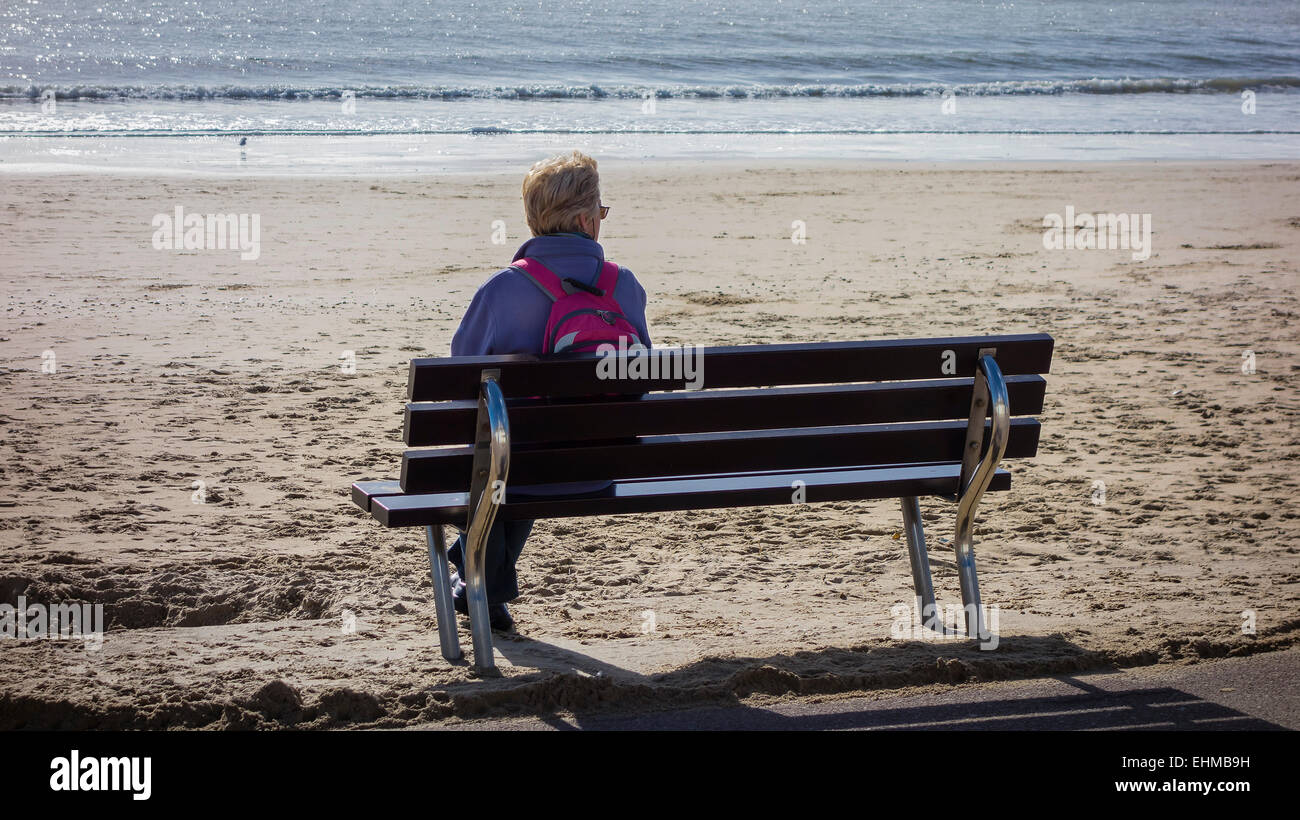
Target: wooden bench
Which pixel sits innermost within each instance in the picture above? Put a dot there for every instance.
(848, 421)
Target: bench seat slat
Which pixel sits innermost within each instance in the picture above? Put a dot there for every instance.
(448, 469)
(363, 491)
(442, 423)
(442, 379)
(678, 493)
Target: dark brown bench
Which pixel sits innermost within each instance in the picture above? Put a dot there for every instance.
(847, 421)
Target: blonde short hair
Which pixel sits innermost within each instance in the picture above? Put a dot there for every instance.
(557, 190)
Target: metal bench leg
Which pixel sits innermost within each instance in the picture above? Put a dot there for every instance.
(491, 465)
(448, 638)
(920, 562)
(480, 626)
(970, 585)
(921, 579)
(990, 398)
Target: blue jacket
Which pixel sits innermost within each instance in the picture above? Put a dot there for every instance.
(508, 314)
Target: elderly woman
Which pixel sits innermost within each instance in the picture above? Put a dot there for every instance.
(510, 313)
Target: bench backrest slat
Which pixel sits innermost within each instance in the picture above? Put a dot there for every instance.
(585, 419)
(730, 367)
(448, 469)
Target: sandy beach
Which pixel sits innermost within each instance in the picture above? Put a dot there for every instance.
(182, 377)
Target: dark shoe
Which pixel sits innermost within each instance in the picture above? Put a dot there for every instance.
(500, 618)
(498, 615)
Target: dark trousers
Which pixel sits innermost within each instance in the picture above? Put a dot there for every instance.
(505, 542)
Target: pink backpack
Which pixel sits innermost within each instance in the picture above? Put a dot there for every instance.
(582, 317)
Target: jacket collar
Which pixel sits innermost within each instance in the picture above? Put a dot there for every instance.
(560, 245)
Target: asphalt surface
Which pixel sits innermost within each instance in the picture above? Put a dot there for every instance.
(1253, 693)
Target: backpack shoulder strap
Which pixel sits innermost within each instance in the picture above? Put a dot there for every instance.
(608, 278)
(541, 276)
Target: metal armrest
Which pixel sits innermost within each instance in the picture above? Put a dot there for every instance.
(487, 490)
(990, 398)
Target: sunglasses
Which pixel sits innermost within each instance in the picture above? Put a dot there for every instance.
(604, 211)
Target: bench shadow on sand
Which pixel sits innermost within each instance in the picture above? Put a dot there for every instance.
(717, 685)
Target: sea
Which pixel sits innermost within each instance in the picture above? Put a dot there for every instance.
(438, 86)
